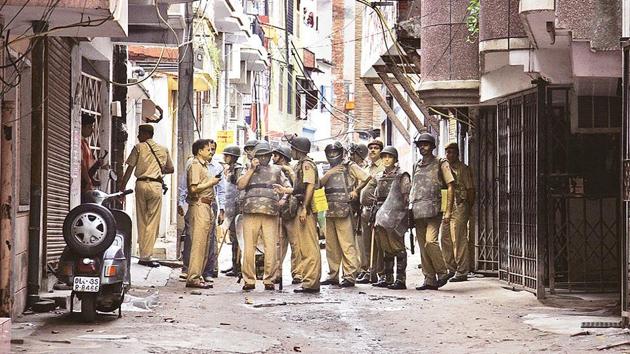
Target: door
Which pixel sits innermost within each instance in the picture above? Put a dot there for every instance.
(57, 143)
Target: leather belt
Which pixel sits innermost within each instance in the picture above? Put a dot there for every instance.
(335, 190)
(149, 179)
(206, 200)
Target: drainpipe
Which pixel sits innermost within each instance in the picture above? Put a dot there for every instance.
(6, 201)
(38, 60)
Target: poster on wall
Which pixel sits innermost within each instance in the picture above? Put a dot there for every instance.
(224, 138)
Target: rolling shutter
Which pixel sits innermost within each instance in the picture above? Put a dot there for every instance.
(57, 142)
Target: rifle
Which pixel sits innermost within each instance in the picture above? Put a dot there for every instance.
(411, 222)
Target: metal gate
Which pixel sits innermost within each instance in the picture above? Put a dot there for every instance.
(517, 121)
(57, 142)
(583, 202)
(487, 241)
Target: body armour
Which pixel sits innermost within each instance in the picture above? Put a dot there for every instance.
(426, 197)
(338, 188)
(231, 192)
(260, 197)
(299, 188)
(460, 189)
(392, 214)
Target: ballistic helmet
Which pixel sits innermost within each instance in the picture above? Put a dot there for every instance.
(283, 151)
(359, 149)
(232, 150)
(250, 143)
(262, 148)
(334, 153)
(300, 144)
(390, 150)
(425, 138)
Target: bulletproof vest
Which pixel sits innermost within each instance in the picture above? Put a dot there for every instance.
(338, 188)
(260, 198)
(426, 198)
(383, 186)
(367, 193)
(393, 214)
(460, 189)
(299, 187)
(231, 191)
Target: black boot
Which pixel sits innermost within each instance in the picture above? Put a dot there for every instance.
(384, 281)
(401, 272)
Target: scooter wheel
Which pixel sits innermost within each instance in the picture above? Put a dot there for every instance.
(89, 229)
(88, 308)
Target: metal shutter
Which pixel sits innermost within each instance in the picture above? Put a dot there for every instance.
(57, 141)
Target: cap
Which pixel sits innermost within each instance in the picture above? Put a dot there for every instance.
(376, 142)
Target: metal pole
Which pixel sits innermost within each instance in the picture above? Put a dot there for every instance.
(184, 101)
(38, 77)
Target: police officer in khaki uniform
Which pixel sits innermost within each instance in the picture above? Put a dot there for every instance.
(200, 199)
(342, 184)
(391, 220)
(150, 162)
(430, 175)
(455, 235)
(305, 220)
(261, 214)
(372, 257)
(282, 157)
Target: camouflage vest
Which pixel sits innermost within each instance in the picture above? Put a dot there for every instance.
(392, 214)
(426, 198)
(338, 188)
(260, 198)
(460, 189)
(299, 187)
(232, 193)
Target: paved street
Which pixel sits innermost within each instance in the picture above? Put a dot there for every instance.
(478, 316)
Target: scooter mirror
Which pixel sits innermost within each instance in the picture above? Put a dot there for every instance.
(113, 176)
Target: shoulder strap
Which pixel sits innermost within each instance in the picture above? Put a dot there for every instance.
(156, 158)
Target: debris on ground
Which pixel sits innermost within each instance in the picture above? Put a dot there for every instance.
(614, 345)
(285, 303)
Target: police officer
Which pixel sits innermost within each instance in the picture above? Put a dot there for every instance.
(200, 199)
(304, 222)
(248, 148)
(342, 184)
(232, 171)
(282, 157)
(430, 174)
(261, 214)
(392, 194)
(371, 258)
(455, 235)
(151, 162)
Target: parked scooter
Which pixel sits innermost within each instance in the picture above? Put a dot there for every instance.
(96, 263)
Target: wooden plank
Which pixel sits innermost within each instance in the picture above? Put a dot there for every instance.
(389, 111)
(401, 101)
(404, 82)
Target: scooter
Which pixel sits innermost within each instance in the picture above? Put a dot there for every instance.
(96, 263)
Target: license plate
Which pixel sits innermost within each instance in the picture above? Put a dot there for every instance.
(86, 284)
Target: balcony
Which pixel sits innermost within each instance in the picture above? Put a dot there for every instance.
(147, 28)
(97, 18)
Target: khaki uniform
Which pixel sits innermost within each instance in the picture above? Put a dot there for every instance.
(365, 243)
(340, 242)
(289, 236)
(306, 173)
(455, 235)
(261, 219)
(148, 192)
(427, 228)
(201, 219)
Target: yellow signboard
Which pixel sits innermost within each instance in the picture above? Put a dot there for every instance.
(224, 138)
